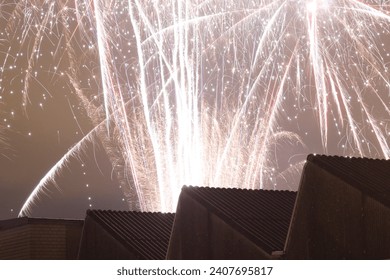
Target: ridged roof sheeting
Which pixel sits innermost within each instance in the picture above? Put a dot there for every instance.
(263, 216)
(146, 234)
(370, 176)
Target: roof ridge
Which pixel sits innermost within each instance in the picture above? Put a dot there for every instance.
(368, 175)
(223, 202)
(129, 211)
(236, 188)
(145, 234)
(310, 157)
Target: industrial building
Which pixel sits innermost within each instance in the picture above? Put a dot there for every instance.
(125, 235)
(36, 238)
(341, 211)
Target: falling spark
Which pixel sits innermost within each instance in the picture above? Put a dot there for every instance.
(205, 92)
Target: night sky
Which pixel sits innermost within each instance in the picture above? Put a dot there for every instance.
(34, 137)
(51, 96)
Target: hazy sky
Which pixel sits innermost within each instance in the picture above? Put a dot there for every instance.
(51, 91)
(34, 137)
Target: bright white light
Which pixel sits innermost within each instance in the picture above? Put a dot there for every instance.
(313, 6)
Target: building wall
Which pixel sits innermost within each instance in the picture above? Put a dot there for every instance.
(98, 244)
(334, 220)
(55, 241)
(15, 243)
(41, 239)
(376, 219)
(199, 234)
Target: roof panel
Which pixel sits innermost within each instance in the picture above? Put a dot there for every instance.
(144, 233)
(371, 176)
(261, 215)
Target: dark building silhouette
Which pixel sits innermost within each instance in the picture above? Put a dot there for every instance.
(125, 235)
(215, 223)
(32, 238)
(341, 211)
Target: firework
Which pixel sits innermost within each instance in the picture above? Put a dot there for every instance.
(212, 92)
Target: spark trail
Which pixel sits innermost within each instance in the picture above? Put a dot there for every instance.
(207, 92)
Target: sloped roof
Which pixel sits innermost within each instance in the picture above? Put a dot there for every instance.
(144, 233)
(370, 176)
(263, 216)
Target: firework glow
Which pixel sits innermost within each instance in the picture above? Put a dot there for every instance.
(223, 93)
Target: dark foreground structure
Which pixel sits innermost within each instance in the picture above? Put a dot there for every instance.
(216, 223)
(35, 238)
(341, 211)
(125, 235)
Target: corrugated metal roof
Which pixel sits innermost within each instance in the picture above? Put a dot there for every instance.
(371, 176)
(144, 233)
(263, 216)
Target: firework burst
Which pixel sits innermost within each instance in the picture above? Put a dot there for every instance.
(207, 92)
